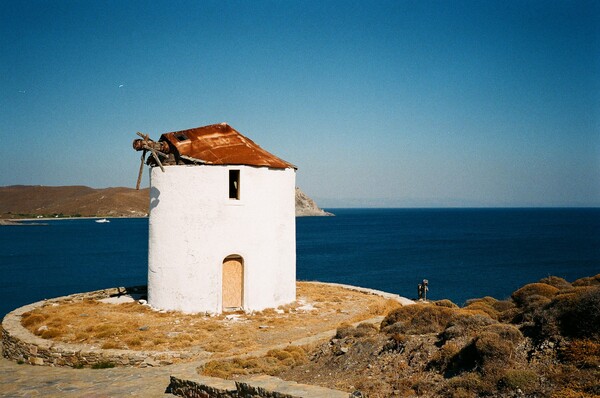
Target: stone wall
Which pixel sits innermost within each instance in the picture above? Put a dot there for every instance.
(255, 387)
(21, 345)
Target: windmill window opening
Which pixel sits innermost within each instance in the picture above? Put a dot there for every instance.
(181, 136)
(234, 184)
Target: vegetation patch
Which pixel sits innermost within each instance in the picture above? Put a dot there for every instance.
(525, 380)
(273, 363)
(543, 342)
(103, 365)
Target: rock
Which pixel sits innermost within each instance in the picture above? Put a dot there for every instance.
(37, 361)
(143, 328)
(149, 362)
(305, 206)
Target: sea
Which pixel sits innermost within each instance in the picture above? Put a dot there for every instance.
(463, 253)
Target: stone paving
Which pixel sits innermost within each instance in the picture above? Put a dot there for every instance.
(24, 380)
(44, 381)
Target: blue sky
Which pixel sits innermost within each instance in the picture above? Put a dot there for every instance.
(400, 103)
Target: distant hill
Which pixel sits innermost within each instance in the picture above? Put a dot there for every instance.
(27, 201)
(305, 206)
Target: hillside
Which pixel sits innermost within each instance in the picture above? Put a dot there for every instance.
(543, 342)
(26, 201)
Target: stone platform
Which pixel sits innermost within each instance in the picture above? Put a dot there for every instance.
(141, 373)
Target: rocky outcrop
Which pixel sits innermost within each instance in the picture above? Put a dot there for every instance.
(305, 206)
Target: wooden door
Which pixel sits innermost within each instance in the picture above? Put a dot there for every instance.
(233, 282)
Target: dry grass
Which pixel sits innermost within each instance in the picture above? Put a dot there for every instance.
(273, 363)
(582, 353)
(137, 327)
(426, 318)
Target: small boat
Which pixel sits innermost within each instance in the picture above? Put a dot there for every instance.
(102, 220)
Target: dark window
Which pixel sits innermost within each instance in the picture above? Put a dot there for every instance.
(234, 184)
(181, 136)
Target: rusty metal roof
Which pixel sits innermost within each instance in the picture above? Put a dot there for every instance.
(221, 144)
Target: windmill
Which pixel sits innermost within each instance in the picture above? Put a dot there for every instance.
(156, 149)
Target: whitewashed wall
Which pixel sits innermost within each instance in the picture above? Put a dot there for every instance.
(194, 226)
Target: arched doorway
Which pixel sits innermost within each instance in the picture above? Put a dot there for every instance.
(233, 282)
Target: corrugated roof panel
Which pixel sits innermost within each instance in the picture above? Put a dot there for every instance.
(221, 144)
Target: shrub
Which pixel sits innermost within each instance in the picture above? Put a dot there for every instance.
(103, 365)
(294, 353)
(484, 307)
(583, 318)
(574, 313)
(535, 304)
(523, 379)
(489, 305)
(490, 346)
(422, 385)
(465, 326)
(569, 393)
(557, 282)
(467, 385)
(487, 353)
(445, 303)
(344, 331)
(273, 363)
(418, 319)
(503, 305)
(442, 358)
(506, 332)
(523, 296)
(365, 329)
(588, 281)
(574, 382)
(512, 315)
(487, 300)
(581, 353)
(380, 308)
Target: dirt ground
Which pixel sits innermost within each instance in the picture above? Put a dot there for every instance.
(135, 326)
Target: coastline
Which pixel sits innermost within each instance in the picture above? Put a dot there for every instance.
(17, 221)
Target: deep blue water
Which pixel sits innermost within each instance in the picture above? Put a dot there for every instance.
(464, 253)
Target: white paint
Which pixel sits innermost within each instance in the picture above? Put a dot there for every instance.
(117, 300)
(194, 226)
